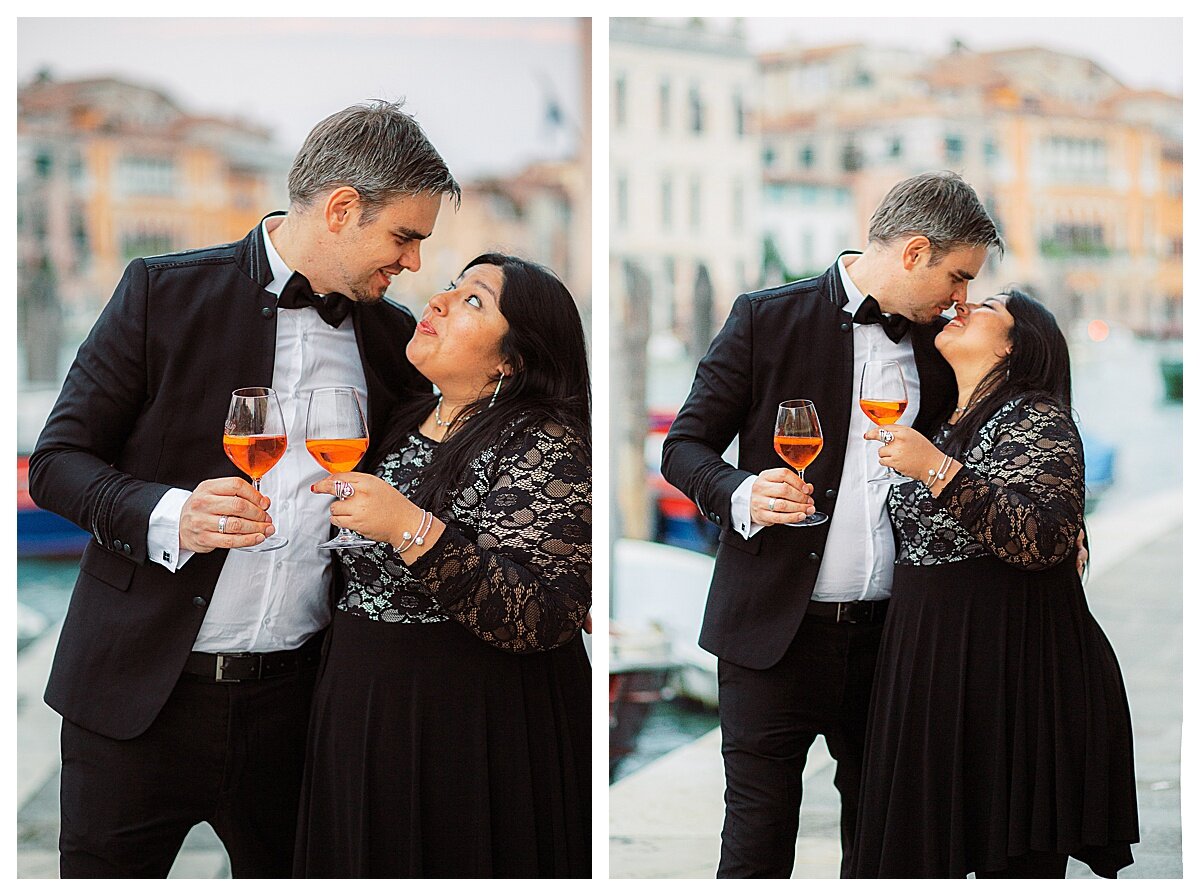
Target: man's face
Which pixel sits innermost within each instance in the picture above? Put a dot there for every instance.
(366, 256)
(925, 290)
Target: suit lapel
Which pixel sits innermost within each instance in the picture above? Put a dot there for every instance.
(377, 390)
(255, 314)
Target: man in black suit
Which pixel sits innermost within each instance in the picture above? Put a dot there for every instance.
(184, 670)
(794, 614)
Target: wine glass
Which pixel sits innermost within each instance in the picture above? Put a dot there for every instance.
(883, 397)
(798, 441)
(254, 440)
(336, 437)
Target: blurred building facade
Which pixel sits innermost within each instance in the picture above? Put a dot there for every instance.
(1083, 175)
(109, 170)
(684, 181)
(542, 212)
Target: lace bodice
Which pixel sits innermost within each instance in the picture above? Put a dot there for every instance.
(514, 563)
(1019, 495)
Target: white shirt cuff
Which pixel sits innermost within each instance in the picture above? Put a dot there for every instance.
(162, 538)
(739, 510)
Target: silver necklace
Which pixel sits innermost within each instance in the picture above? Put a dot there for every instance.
(437, 415)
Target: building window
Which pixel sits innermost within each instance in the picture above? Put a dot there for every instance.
(1075, 239)
(43, 164)
(619, 100)
(669, 290)
(695, 111)
(991, 152)
(808, 157)
(664, 105)
(668, 200)
(146, 176)
(739, 116)
(739, 210)
(768, 157)
(79, 235)
(953, 145)
(694, 204)
(852, 159)
(896, 148)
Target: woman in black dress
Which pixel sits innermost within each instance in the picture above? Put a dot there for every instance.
(999, 739)
(450, 734)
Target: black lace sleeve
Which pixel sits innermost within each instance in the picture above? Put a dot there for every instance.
(1024, 502)
(524, 582)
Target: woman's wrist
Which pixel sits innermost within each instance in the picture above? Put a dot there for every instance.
(420, 532)
(939, 474)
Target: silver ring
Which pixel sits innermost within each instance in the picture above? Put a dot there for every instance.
(886, 437)
(221, 524)
(343, 490)
(771, 505)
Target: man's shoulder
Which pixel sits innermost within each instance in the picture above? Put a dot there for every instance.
(225, 253)
(808, 287)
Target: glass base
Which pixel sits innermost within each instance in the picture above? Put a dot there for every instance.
(345, 539)
(274, 543)
(814, 519)
(891, 479)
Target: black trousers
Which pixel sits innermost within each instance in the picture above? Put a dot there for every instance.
(229, 753)
(769, 719)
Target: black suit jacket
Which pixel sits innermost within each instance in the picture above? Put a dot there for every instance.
(793, 341)
(142, 410)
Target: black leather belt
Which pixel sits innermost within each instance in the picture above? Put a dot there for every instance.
(848, 611)
(253, 666)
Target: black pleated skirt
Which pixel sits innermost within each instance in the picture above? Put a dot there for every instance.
(432, 754)
(998, 725)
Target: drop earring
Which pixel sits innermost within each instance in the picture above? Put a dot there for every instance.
(492, 403)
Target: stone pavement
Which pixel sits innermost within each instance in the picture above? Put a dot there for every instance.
(665, 819)
(202, 855)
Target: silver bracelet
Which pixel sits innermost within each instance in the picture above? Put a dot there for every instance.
(939, 473)
(407, 540)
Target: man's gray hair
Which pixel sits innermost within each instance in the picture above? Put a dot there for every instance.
(940, 206)
(375, 148)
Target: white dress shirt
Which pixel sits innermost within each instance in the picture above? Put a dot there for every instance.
(860, 549)
(276, 600)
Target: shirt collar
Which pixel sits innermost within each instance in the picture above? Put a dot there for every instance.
(854, 295)
(280, 272)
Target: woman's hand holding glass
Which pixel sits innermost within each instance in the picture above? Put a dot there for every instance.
(379, 512)
(911, 454)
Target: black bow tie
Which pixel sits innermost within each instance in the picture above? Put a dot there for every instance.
(297, 293)
(893, 325)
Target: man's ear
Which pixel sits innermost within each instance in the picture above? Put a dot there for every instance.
(342, 206)
(915, 249)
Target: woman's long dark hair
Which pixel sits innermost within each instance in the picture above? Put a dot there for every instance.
(549, 383)
(1039, 367)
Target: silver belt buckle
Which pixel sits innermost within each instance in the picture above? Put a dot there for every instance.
(221, 658)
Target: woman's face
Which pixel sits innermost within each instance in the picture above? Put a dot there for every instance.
(979, 334)
(457, 341)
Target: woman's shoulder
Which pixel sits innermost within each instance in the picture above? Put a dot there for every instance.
(1032, 411)
(542, 430)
